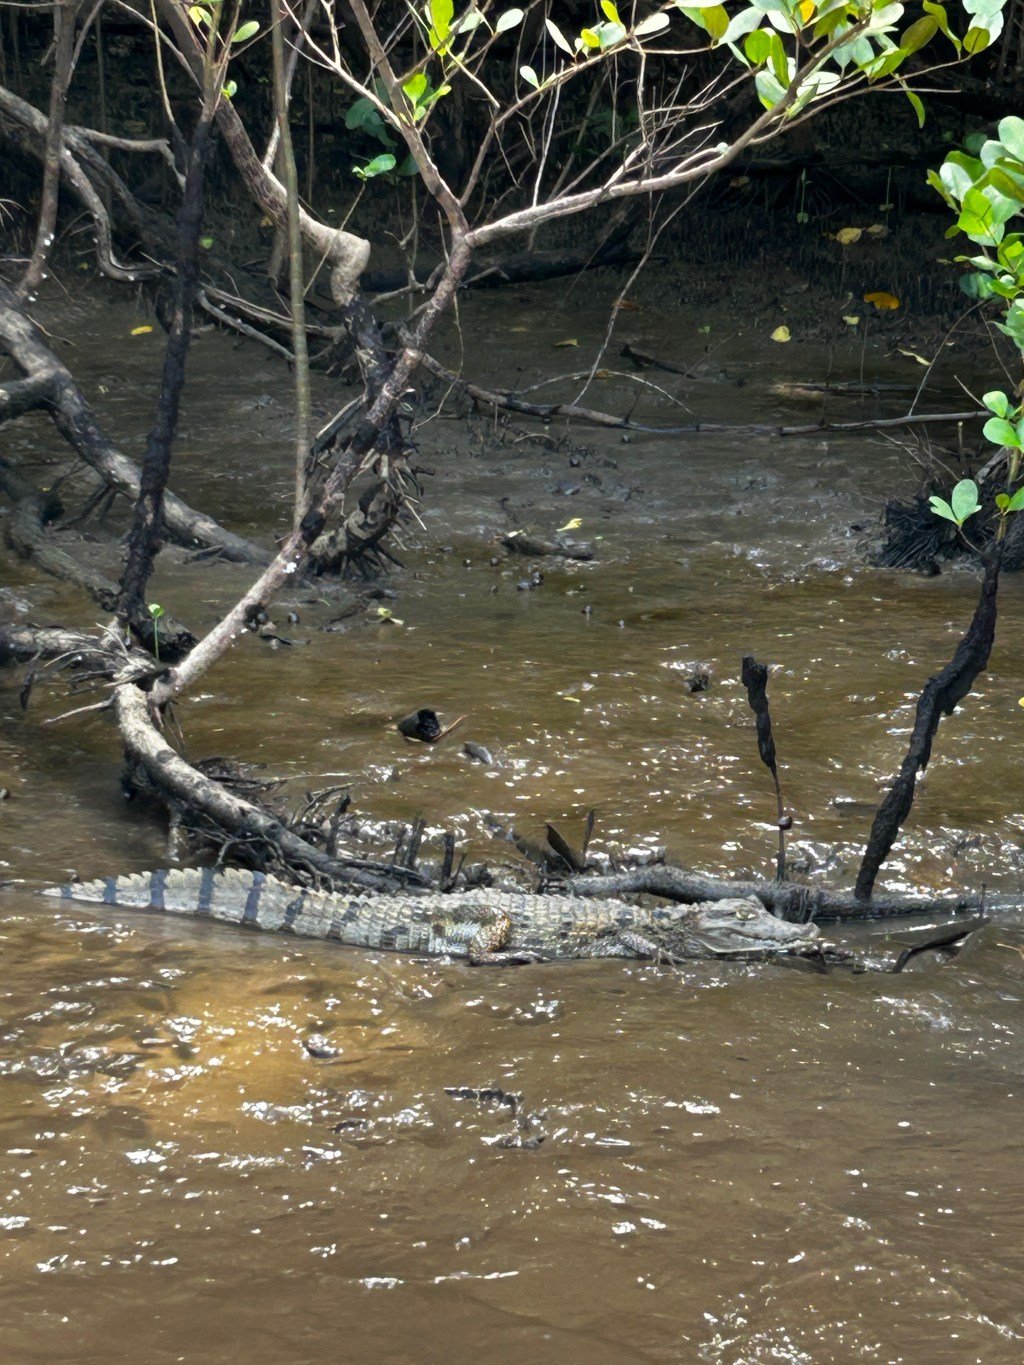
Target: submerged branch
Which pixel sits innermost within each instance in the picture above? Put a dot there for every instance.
(940, 697)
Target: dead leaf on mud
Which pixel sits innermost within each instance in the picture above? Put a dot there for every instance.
(882, 299)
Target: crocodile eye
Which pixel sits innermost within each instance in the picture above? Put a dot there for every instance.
(744, 914)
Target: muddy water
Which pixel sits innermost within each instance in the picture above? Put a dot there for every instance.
(737, 1165)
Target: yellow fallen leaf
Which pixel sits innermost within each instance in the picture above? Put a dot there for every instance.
(738, 182)
(565, 697)
(877, 230)
(851, 318)
(573, 525)
(1021, 702)
(266, 222)
(807, 8)
(780, 334)
(912, 355)
(140, 331)
(569, 341)
(882, 299)
(847, 236)
(628, 306)
(603, 374)
(519, 329)
(385, 615)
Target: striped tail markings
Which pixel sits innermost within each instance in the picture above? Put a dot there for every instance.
(207, 881)
(157, 886)
(250, 915)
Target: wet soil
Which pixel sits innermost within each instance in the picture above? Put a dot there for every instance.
(738, 1164)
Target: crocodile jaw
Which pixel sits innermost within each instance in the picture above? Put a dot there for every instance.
(740, 925)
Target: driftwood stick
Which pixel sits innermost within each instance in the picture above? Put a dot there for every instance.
(755, 679)
(940, 697)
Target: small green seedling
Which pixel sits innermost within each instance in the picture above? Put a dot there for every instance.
(156, 611)
(963, 503)
(380, 165)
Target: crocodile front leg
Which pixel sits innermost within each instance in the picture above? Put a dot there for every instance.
(482, 937)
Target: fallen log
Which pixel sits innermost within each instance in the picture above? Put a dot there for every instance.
(518, 267)
(508, 401)
(522, 543)
(788, 900)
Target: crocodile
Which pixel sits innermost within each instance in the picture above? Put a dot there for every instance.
(483, 926)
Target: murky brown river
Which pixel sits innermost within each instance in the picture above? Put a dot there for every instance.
(738, 1164)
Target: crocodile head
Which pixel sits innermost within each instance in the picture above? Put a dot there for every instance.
(726, 928)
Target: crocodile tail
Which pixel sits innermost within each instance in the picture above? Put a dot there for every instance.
(232, 895)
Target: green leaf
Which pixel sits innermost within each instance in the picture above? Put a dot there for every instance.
(654, 23)
(976, 40)
(916, 105)
(965, 500)
(716, 21)
(1006, 184)
(557, 36)
(466, 23)
(977, 286)
(380, 165)
(936, 184)
(779, 61)
(156, 610)
(441, 15)
(1000, 433)
(1003, 502)
(415, 87)
(1011, 135)
(941, 508)
(357, 114)
(1016, 503)
(508, 20)
(247, 31)
(529, 76)
(206, 243)
(769, 91)
(919, 33)
(996, 401)
(609, 34)
(757, 46)
(230, 90)
(939, 14)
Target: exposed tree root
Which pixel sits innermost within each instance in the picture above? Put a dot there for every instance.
(240, 819)
(58, 394)
(217, 809)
